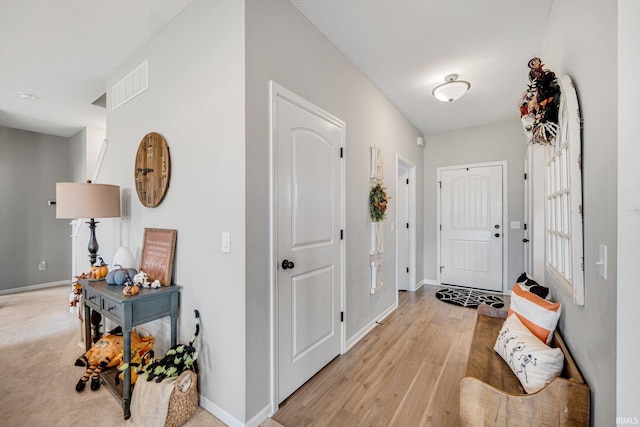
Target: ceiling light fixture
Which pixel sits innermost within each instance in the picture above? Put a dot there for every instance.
(25, 95)
(452, 89)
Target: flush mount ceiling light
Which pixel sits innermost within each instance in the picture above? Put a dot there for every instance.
(27, 96)
(452, 89)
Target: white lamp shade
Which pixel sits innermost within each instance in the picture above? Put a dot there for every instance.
(84, 200)
(451, 90)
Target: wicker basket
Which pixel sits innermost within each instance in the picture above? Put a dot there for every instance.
(184, 399)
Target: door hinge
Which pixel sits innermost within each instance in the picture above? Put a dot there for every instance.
(440, 184)
(525, 226)
(341, 234)
(525, 176)
(440, 227)
(341, 152)
(407, 225)
(407, 181)
(407, 269)
(441, 268)
(342, 316)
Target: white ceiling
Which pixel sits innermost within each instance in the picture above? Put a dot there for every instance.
(61, 51)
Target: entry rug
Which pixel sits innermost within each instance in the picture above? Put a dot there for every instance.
(468, 298)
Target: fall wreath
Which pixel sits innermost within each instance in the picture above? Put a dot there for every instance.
(378, 200)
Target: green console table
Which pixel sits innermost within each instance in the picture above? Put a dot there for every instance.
(128, 311)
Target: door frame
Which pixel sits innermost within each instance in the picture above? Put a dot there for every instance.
(411, 170)
(505, 216)
(278, 91)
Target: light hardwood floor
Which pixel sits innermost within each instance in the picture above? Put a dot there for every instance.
(405, 372)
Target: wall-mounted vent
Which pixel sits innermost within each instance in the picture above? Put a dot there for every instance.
(131, 85)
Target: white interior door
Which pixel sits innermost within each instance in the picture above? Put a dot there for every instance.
(403, 228)
(472, 227)
(526, 240)
(309, 212)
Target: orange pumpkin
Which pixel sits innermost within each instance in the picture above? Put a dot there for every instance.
(99, 271)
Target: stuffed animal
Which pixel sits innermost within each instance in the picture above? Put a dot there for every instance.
(105, 353)
(141, 356)
(178, 359)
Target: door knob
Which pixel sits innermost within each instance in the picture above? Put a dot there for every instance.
(497, 234)
(286, 264)
(496, 226)
(525, 240)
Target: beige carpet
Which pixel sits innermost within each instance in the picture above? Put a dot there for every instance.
(38, 348)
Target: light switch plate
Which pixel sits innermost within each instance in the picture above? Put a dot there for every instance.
(226, 243)
(602, 261)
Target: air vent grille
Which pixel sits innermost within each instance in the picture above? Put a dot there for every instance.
(131, 85)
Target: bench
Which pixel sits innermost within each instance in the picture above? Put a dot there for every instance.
(491, 395)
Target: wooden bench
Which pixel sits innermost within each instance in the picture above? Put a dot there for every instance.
(491, 395)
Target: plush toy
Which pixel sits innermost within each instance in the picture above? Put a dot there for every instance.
(141, 356)
(178, 359)
(105, 353)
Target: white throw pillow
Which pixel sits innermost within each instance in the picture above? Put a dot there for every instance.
(534, 363)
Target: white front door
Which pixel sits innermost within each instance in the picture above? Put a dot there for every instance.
(472, 227)
(403, 228)
(308, 196)
(526, 241)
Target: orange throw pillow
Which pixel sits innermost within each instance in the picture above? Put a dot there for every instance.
(538, 315)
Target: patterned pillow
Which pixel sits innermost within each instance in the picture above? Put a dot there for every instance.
(534, 363)
(537, 314)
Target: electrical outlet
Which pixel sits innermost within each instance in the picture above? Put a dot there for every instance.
(42, 265)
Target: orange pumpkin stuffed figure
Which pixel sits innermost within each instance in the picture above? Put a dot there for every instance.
(105, 353)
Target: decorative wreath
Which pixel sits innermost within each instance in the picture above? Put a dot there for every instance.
(378, 200)
(539, 104)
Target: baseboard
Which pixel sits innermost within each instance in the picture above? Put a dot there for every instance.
(368, 327)
(419, 285)
(220, 413)
(258, 418)
(35, 287)
(431, 282)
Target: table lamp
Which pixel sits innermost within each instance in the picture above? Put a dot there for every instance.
(87, 200)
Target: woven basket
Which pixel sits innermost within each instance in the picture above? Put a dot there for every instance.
(184, 399)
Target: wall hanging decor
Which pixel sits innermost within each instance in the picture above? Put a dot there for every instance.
(376, 274)
(375, 168)
(378, 201)
(539, 104)
(152, 169)
(158, 251)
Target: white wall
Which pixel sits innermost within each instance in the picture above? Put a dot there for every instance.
(196, 101)
(628, 315)
(283, 46)
(480, 144)
(572, 47)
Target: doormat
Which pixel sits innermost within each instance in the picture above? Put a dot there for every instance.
(468, 298)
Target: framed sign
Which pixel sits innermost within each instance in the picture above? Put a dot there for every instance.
(158, 250)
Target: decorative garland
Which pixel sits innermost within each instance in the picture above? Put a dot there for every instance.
(378, 200)
(539, 104)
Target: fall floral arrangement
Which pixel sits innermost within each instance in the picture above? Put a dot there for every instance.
(378, 200)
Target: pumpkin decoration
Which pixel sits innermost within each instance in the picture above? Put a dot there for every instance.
(99, 271)
(121, 276)
(131, 290)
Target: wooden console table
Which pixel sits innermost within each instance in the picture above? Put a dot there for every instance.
(128, 311)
